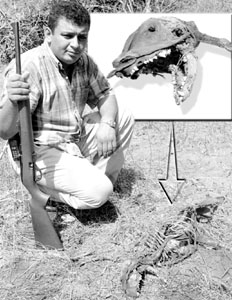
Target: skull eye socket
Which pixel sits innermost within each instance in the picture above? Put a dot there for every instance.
(152, 29)
(178, 32)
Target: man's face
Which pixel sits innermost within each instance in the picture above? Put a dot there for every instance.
(67, 41)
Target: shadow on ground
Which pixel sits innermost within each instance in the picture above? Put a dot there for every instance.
(107, 213)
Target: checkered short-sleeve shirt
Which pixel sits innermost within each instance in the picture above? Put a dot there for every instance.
(56, 103)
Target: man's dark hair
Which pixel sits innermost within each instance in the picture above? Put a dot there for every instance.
(72, 10)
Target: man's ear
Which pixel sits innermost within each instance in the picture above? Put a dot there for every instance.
(47, 33)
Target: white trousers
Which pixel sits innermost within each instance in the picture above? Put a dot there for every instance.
(84, 182)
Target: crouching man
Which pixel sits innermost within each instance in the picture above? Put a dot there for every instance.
(79, 153)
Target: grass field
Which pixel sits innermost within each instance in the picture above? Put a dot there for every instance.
(97, 243)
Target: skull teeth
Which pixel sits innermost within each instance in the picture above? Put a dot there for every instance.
(183, 81)
(181, 99)
(184, 59)
(173, 81)
(181, 93)
(162, 53)
(134, 70)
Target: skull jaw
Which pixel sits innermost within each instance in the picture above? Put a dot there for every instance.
(183, 80)
(180, 63)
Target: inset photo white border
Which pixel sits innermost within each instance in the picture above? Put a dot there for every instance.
(151, 98)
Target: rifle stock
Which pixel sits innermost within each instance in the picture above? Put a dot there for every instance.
(44, 231)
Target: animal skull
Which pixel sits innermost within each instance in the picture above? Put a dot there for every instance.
(165, 45)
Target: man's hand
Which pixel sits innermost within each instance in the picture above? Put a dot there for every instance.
(106, 140)
(17, 87)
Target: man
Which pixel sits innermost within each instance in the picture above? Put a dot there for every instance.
(79, 151)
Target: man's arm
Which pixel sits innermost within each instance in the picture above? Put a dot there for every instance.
(106, 134)
(17, 89)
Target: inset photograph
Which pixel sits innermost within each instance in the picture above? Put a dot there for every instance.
(166, 66)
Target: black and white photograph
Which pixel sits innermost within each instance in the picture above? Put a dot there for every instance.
(115, 150)
(176, 76)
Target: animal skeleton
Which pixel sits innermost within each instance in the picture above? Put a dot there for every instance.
(176, 240)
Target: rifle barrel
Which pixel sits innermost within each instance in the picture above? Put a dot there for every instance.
(17, 47)
(44, 231)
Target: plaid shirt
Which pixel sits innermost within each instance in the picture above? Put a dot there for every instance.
(56, 104)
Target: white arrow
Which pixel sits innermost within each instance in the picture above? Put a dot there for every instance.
(172, 184)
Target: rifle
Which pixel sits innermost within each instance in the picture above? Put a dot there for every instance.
(44, 231)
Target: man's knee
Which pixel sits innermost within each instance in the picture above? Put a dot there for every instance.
(99, 194)
(103, 193)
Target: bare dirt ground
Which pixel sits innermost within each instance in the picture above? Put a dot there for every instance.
(97, 243)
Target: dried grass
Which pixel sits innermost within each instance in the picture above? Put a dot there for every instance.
(98, 242)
